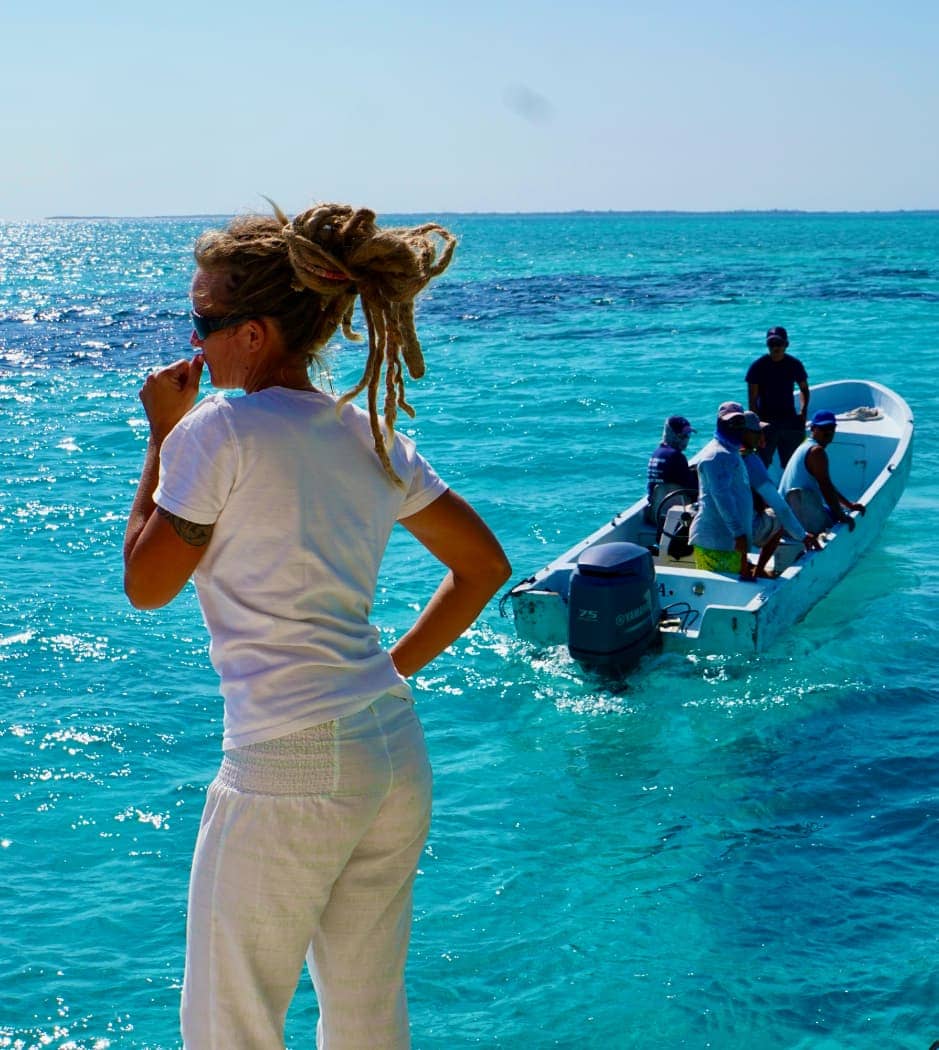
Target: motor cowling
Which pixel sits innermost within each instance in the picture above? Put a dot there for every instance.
(613, 606)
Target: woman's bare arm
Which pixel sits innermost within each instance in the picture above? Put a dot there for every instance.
(455, 534)
(161, 550)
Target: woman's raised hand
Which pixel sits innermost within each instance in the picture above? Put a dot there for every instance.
(168, 393)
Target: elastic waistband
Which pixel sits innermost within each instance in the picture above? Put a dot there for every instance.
(300, 763)
(305, 762)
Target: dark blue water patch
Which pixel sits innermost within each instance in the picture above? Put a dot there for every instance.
(159, 329)
(120, 339)
(843, 292)
(848, 281)
(544, 296)
(632, 333)
(916, 273)
(53, 332)
(857, 786)
(538, 296)
(104, 311)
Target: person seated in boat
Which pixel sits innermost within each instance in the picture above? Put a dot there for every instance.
(772, 516)
(721, 530)
(806, 484)
(770, 381)
(668, 469)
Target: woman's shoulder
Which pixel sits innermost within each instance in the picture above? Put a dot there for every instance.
(358, 418)
(207, 413)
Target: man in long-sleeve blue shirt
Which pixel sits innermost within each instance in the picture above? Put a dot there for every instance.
(720, 532)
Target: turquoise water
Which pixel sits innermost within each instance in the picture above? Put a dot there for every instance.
(724, 854)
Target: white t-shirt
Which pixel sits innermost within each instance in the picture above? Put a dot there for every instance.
(302, 510)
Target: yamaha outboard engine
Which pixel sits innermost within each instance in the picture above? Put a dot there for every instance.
(613, 606)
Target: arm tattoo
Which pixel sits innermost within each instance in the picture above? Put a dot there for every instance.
(193, 534)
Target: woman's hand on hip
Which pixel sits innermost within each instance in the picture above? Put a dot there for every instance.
(477, 566)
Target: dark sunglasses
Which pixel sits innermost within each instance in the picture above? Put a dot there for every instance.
(205, 326)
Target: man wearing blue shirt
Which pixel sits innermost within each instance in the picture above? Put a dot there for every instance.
(668, 468)
(721, 530)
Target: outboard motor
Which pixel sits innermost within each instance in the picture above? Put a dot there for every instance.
(613, 606)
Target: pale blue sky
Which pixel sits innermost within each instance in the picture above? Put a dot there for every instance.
(186, 108)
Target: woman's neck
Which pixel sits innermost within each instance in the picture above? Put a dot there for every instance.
(293, 377)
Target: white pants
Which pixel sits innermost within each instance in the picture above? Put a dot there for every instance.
(307, 849)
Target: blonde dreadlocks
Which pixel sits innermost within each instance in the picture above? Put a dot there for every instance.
(308, 272)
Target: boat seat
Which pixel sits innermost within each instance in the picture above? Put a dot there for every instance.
(673, 532)
(666, 495)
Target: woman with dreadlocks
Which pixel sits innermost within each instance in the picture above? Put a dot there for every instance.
(279, 503)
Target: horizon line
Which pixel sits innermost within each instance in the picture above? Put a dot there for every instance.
(532, 214)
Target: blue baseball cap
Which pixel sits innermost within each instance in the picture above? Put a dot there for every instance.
(824, 418)
(777, 335)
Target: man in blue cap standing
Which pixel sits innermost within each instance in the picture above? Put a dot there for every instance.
(770, 382)
(806, 483)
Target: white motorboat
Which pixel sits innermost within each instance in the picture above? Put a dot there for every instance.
(619, 591)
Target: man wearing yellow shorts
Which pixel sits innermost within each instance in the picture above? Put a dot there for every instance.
(720, 532)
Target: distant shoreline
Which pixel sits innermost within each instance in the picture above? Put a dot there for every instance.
(638, 213)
